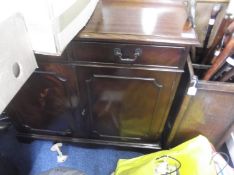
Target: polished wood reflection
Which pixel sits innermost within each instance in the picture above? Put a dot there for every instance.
(48, 102)
(124, 103)
(131, 21)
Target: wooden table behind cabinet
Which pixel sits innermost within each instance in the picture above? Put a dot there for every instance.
(116, 80)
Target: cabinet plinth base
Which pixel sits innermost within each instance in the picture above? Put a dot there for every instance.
(82, 141)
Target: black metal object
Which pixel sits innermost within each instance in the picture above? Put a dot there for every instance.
(118, 53)
(214, 13)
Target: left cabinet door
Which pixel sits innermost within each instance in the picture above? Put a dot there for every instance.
(48, 103)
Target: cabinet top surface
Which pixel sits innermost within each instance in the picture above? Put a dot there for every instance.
(149, 21)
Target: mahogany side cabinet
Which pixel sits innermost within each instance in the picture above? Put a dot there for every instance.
(115, 82)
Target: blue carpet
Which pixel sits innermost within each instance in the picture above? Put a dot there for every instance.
(34, 158)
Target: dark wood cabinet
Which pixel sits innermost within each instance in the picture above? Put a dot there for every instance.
(125, 104)
(115, 82)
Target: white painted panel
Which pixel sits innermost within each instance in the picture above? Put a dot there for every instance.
(17, 61)
(53, 23)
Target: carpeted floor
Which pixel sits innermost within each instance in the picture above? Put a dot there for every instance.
(34, 158)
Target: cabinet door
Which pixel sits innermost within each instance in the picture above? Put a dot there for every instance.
(125, 104)
(48, 101)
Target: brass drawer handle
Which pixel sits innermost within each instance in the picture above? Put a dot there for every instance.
(118, 53)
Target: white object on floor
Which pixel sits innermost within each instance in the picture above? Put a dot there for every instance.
(52, 24)
(60, 158)
(17, 60)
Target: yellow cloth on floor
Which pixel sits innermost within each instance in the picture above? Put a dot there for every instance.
(194, 155)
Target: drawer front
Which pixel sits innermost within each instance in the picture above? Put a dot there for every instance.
(146, 55)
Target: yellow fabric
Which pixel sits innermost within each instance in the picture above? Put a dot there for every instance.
(195, 156)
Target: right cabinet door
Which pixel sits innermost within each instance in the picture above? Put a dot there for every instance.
(125, 104)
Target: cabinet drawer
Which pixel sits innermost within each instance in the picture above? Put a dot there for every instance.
(147, 55)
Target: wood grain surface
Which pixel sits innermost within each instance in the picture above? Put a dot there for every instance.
(134, 21)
